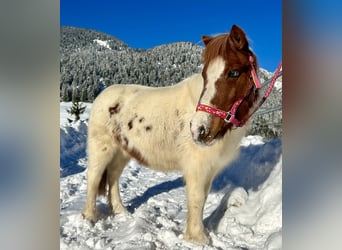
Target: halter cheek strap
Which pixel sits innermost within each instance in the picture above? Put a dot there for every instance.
(254, 73)
(229, 116)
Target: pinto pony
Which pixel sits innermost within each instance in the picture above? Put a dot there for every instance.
(166, 129)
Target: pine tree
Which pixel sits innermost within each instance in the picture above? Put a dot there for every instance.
(77, 109)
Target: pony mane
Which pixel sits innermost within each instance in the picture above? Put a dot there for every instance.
(217, 46)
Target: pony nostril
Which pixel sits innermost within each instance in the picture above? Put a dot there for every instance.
(201, 131)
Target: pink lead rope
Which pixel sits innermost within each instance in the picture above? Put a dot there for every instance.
(267, 92)
(229, 116)
(275, 76)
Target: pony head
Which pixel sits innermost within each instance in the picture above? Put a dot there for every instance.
(227, 78)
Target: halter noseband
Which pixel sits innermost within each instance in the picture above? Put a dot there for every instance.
(229, 117)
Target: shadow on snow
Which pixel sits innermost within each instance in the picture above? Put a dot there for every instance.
(249, 170)
(153, 191)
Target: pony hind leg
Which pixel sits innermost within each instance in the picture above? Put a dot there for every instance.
(99, 158)
(114, 171)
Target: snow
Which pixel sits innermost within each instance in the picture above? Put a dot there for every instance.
(102, 43)
(243, 209)
(278, 85)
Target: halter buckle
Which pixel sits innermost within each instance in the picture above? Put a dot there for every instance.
(229, 117)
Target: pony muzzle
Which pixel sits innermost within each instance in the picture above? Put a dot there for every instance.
(201, 133)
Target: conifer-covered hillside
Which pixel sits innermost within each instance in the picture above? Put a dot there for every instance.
(90, 58)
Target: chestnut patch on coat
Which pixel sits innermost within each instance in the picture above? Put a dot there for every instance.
(123, 141)
(115, 109)
(224, 54)
(135, 153)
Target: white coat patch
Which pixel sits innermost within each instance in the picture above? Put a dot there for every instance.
(214, 72)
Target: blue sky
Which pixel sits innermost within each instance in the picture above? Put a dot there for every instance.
(145, 24)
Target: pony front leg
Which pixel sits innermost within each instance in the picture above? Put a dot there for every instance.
(197, 188)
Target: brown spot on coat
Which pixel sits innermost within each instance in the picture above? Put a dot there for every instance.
(115, 109)
(181, 125)
(117, 138)
(130, 124)
(141, 119)
(175, 135)
(125, 141)
(148, 128)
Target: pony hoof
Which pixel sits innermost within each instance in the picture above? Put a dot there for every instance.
(120, 210)
(88, 217)
(201, 239)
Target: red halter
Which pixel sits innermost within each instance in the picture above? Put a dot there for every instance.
(229, 116)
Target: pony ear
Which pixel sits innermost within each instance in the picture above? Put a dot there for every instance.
(237, 38)
(206, 39)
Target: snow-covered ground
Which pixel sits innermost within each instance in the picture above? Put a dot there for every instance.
(243, 210)
(102, 43)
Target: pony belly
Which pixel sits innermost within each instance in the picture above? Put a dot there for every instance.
(154, 151)
(163, 164)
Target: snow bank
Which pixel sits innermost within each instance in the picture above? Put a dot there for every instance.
(72, 141)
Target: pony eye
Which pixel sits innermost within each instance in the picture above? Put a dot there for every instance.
(233, 74)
